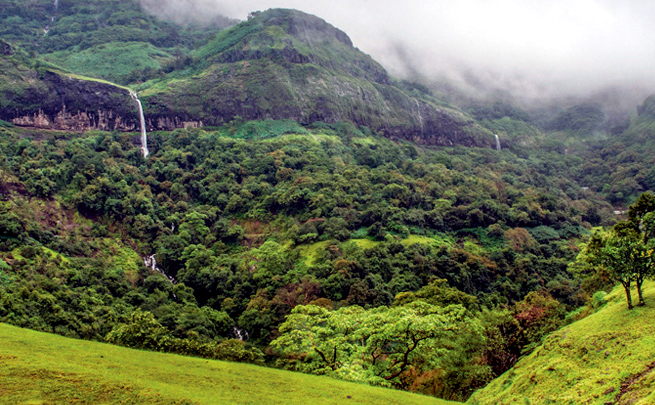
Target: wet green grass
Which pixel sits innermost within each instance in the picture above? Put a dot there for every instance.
(40, 368)
(603, 358)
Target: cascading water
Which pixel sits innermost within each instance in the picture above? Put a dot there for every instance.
(151, 263)
(144, 135)
(55, 6)
(497, 142)
(420, 116)
(240, 334)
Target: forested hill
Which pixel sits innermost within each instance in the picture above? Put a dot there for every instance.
(298, 208)
(255, 219)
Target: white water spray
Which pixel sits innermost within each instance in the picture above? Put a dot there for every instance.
(420, 116)
(144, 135)
(240, 334)
(497, 142)
(55, 5)
(151, 263)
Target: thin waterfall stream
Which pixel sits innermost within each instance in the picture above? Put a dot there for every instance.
(142, 119)
(55, 6)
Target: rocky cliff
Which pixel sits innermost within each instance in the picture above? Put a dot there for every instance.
(35, 95)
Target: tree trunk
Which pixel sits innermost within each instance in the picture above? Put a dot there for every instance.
(641, 297)
(628, 296)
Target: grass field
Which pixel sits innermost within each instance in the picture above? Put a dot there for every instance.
(40, 368)
(605, 358)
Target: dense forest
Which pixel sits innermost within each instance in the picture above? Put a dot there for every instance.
(251, 220)
(327, 247)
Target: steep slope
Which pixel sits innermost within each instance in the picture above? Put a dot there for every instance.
(34, 94)
(285, 64)
(67, 371)
(606, 358)
(46, 26)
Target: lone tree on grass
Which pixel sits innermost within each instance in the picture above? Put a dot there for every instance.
(626, 252)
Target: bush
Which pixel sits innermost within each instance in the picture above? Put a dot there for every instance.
(239, 351)
(142, 332)
(598, 299)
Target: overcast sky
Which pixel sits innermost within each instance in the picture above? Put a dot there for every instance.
(530, 46)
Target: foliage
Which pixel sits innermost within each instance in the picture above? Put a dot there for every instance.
(625, 252)
(583, 119)
(431, 269)
(252, 228)
(142, 332)
(375, 346)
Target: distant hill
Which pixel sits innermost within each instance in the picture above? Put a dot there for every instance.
(43, 368)
(285, 64)
(46, 26)
(605, 358)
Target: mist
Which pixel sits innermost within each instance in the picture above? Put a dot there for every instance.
(531, 49)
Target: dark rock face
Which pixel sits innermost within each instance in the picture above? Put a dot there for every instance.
(60, 102)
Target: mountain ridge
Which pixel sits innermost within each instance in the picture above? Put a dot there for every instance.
(39, 95)
(285, 64)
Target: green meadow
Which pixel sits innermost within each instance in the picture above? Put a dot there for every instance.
(41, 368)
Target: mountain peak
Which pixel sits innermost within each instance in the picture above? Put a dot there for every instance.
(302, 26)
(286, 64)
(291, 37)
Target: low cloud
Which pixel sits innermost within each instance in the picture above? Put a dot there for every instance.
(531, 48)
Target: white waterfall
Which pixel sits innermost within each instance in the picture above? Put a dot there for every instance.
(497, 142)
(420, 116)
(142, 118)
(240, 334)
(52, 18)
(151, 263)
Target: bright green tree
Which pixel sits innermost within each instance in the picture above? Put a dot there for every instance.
(626, 251)
(375, 346)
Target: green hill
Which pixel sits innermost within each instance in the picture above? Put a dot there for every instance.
(605, 358)
(285, 64)
(44, 368)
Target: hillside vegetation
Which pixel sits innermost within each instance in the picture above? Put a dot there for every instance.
(44, 368)
(253, 219)
(301, 209)
(605, 358)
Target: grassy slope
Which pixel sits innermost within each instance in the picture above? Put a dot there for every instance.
(43, 368)
(113, 61)
(607, 357)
